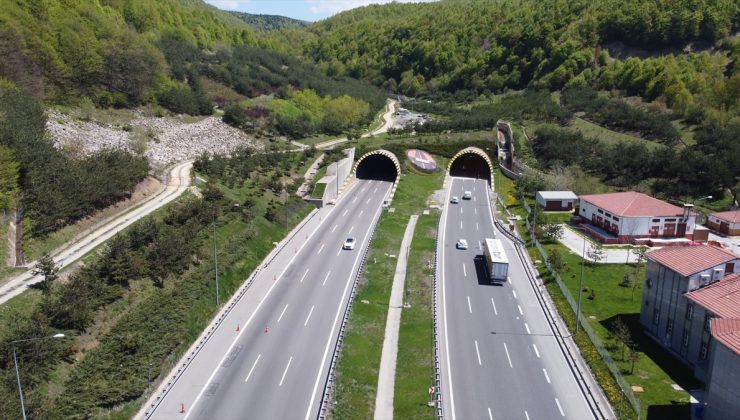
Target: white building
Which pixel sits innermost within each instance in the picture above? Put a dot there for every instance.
(556, 200)
(622, 217)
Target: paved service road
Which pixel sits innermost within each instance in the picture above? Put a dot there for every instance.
(178, 181)
(498, 355)
(276, 365)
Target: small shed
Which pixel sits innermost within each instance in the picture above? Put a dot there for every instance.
(726, 222)
(556, 200)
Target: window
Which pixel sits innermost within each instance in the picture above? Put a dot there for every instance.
(615, 218)
(670, 220)
(704, 352)
(607, 215)
(707, 322)
(690, 311)
(600, 211)
(656, 220)
(656, 316)
(685, 338)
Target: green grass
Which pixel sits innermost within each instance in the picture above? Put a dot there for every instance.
(358, 367)
(589, 129)
(655, 370)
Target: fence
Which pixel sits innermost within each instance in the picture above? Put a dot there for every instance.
(625, 387)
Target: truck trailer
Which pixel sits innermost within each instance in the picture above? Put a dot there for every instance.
(496, 262)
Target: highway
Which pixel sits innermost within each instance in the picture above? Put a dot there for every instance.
(499, 358)
(270, 357)
(177, 182)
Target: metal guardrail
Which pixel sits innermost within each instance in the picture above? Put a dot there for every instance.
(223, 313)
(435, 323)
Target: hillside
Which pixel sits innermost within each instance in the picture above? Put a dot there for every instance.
(270, 22)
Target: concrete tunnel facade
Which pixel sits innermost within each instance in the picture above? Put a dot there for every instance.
(379, 165)
(471, 162)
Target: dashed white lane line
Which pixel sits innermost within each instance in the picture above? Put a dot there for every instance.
(286, 370)
(507, 356)
(339, 252)
(559, 407)
(326, 278)
(465, 272)
(477, 352)
(475, 209)
(547, 377)
(527, 327)
(476, 226)
(253, 366)
(282, 313)
(354, 199)
(460, 224)
(361, 211)
(495, 312)
(461, 210)
(490, 415)
(304, 276)
(368, 201)
(320, 249)
(375, 190)
(470, 308)
(537, 352)
(334, 228)
(350, 229)
(514, 292)
(526, 415)
(308, 317)
(520, 309)
(345, 213)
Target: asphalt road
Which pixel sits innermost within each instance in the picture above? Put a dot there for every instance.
(499, 357)
(178, 181)
(276, 364)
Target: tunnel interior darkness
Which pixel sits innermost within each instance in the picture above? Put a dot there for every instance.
(471, 165)
(377, 167)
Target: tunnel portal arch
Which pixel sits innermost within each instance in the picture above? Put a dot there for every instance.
(471, 162)
(379, 165)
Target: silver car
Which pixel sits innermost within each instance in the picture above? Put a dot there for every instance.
(461, 244)
(349, 243)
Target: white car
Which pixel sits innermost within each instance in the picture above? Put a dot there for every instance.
(455, 200)
(349, 243)
(467, 195)
(461, 244)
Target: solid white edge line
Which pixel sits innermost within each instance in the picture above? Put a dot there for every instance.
(304, 275)
(470, 308)
(325, 278)
(253, 366)
(477, 352)
(309, 316)
(257, 308)
(285, 371)
(537, 352)
(494, 307)
(559, 407)
(444, 303)
(336, 318)
(282, 313)
(506, 349)
(547, 377)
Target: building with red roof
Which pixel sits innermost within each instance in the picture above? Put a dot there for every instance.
(722, 396)
(686, 287)
(725, 222)
(622, 217)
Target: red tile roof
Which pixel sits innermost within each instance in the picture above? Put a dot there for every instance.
(722, 298)
(732, 216)
(688, 260)
(631, 203)
(727, 332)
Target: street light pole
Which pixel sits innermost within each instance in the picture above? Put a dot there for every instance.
(15, 362)
(580, 284)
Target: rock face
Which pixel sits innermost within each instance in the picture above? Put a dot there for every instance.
(163, 140)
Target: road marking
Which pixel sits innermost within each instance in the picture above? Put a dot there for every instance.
(325, 278)
(547, 377)
(334, 228)
(526, 414)
(559, 407)
(368, 201)
(476, 210)
(520, 310)
(470, 308)
(253, 366)
(345, 213)
(350, 229)
(507, 356)
(339, 252)
(494, 307)
(309, 316)
(460, 224)
(444, 308)
(476, 226)
(304, 276)
(282, 313)
(354, 199)
(320, 249)
(465, 272)
(285, 371)
(461, 212)
(477, 352)
(361, 211)
(527, 327)
(375, 190)
(537, 352)
(514, 292)
(474, 199)
(490, 415)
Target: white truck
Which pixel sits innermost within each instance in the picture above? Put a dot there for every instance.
(496, 262)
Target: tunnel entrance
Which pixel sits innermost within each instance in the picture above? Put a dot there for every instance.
(470, 165)
(377, 167)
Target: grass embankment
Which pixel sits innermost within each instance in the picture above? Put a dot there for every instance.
(655, 370)
(590, 129)
(358, 367)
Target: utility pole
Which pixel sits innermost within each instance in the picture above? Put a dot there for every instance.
(580, 284)
(215, 254)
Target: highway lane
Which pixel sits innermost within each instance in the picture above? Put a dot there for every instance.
(276, 365)
(178, 181)
(499, 358)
